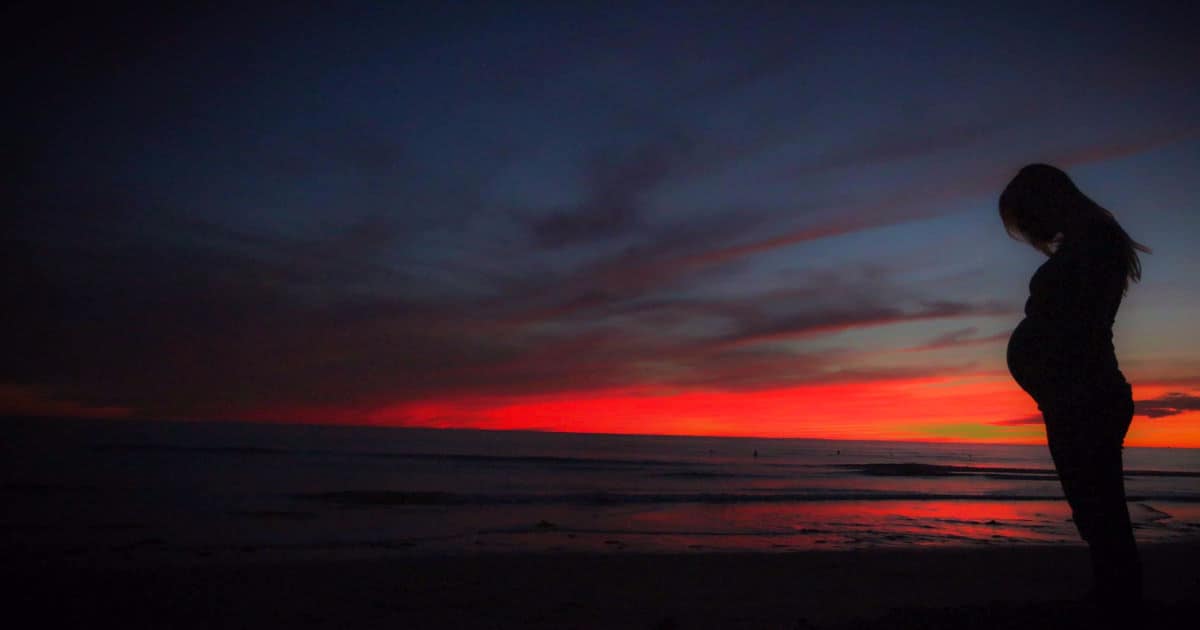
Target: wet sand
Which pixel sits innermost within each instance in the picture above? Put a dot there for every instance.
(1003, 587)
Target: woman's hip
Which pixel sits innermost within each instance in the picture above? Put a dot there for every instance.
(1086, 415)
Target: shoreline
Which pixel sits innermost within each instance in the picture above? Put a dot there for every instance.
(922, 587)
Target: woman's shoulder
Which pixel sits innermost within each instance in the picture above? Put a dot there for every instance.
(1097, 244)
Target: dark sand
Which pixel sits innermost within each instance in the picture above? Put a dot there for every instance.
(918, 588)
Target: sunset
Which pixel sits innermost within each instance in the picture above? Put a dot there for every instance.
(702, 208)
(966, 407)
(456, 279)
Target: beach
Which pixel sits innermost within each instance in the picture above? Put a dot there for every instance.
(226, 525)
(187, 489)
(1008, 587)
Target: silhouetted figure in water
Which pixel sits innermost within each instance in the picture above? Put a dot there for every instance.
(1062, 355)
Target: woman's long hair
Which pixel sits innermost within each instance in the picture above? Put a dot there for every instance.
(1037, 187)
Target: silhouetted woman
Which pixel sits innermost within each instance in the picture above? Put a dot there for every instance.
(1062, 355)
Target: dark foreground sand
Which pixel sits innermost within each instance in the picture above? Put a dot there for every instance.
(920, 588)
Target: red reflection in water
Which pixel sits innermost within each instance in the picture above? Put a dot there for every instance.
(851, 523)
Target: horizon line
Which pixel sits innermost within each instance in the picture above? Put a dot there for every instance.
(527, 430)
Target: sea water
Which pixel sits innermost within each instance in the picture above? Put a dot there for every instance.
(81, 487)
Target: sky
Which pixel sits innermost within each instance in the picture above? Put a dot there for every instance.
(621, 218)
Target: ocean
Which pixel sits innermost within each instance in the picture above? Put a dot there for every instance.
(199, 490)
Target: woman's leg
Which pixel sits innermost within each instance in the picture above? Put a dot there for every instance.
(1085, 443)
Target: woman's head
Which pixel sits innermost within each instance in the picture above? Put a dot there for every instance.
(1038, 205)
(1042, 206)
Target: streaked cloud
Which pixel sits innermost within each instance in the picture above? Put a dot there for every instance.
(959, 338)
(1171, 404)
(1035, 419)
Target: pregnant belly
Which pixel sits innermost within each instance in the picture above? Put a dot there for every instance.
(1031, 358)
(1049, 366)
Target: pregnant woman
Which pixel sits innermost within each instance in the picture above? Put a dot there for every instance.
(1062, 355)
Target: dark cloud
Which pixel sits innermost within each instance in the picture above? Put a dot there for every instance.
(1035, 419)
(203, 318)
(189, 318)
(840, 214)
(959, 338)
(1171, 404)
(805, 323)
(923, 199)
(686, 254)
(617, 183)
(615, 190)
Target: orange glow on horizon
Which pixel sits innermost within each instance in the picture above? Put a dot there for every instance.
(983, 408)
(976, 408)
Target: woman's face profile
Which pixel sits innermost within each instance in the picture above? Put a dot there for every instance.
(1043, 225)
(1039, 224)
